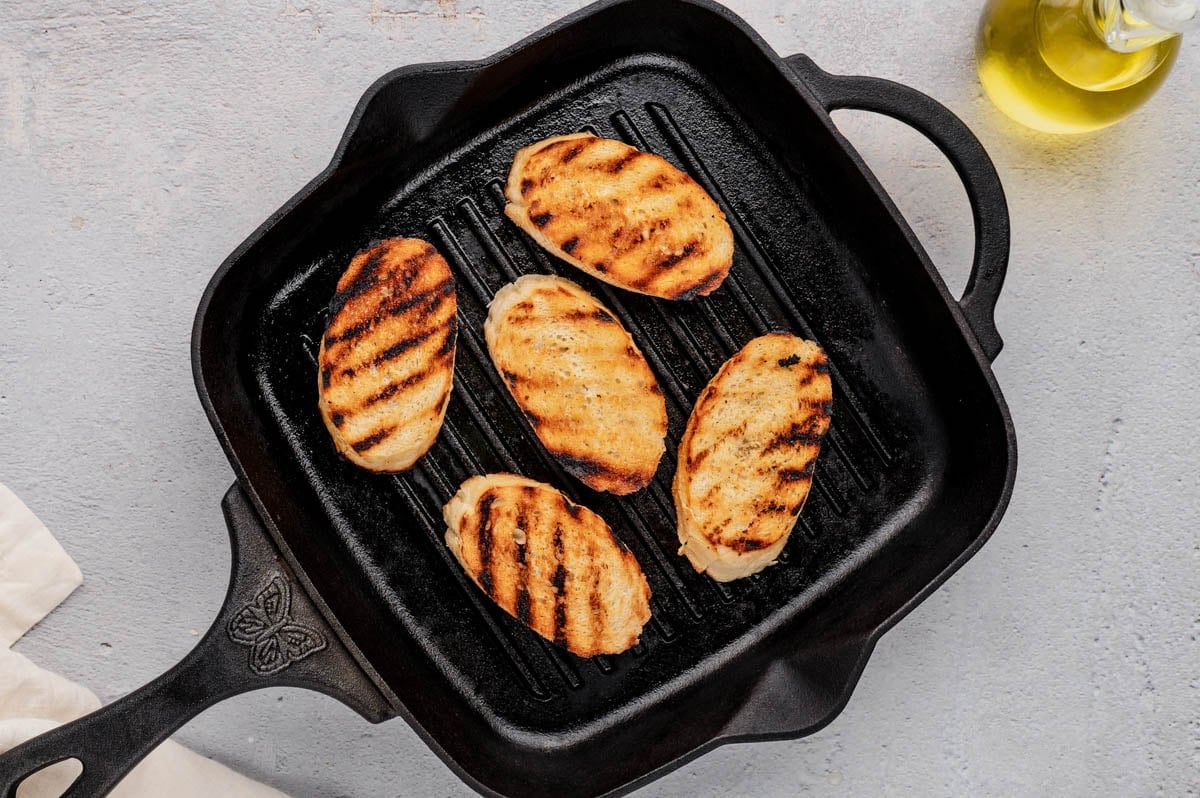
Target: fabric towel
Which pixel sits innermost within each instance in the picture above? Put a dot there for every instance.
(35, 576)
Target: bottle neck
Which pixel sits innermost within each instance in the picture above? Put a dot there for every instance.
(1130, 25)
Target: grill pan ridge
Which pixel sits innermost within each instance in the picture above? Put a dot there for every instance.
(913, 477)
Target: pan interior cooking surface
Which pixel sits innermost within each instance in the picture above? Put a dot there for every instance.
(794, 270)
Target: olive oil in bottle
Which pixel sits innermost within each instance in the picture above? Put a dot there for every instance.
(1070, 66)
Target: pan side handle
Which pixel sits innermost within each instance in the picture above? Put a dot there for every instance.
(267, 634)
(970, 160)
(798, 693)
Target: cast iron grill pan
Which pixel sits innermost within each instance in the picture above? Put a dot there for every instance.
(912, 476)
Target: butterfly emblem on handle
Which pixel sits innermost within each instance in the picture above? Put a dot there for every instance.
(267, 626)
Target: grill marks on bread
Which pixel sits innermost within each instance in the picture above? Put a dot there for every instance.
(386, 363)
(747, 456)
(580, 380)
(627, 217)
(548, 562)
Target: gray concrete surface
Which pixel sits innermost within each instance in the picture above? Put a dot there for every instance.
(140, 143)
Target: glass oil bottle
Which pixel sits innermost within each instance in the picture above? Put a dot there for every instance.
(1071, 66)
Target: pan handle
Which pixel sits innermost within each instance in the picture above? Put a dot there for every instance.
(970, 160)
(799, 693)
(268, 633)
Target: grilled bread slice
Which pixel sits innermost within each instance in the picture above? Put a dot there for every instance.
(747, 457)
(387, 355)
(580, 381)
(548, 562)
(629, 218)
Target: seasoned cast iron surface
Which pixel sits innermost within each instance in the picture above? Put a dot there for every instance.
(791, 272)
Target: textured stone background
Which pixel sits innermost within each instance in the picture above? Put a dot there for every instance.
(140, 143)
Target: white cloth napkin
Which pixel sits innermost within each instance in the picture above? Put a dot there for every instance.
(35, 576)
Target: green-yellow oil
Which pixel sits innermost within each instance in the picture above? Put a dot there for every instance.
(1045, 64)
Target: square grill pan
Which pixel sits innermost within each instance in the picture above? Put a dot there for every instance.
(913, 476)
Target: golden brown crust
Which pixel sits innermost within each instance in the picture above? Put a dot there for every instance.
(747, 456)
(627, 217)
(552, 564)
(580, 380)
(386, 364)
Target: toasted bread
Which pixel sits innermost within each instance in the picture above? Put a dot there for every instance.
(552, 564)
(386, 363)
(583, 385)
(747, 456)
(627, 217)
